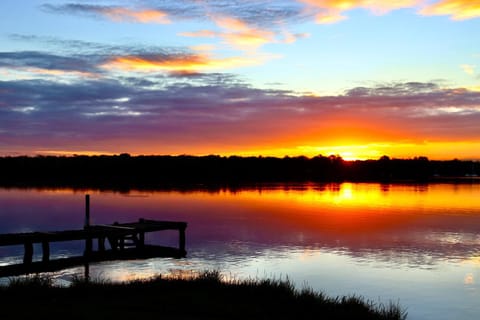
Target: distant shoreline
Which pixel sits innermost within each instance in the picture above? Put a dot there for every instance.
(186, 172)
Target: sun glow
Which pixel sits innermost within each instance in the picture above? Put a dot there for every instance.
(347, 152)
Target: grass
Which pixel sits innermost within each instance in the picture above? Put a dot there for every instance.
(202, 296)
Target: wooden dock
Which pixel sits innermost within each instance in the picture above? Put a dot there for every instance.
(125, 241)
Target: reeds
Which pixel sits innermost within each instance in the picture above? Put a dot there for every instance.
(204, 295)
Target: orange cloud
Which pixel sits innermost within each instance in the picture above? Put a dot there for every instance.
(331, 10)
(243, 36)
(329, 17)
(200, 34)
(144, 16)
(375, 6)
(237, 33)
(177, 64)
(457, 9)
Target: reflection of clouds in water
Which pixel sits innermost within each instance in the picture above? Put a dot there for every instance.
(454, 238)
(371, 239)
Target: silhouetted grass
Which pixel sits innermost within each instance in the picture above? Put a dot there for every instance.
(203, 296)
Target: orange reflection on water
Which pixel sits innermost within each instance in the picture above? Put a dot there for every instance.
(367, 195)
(350, 207)
(338, 207)
(297, 209)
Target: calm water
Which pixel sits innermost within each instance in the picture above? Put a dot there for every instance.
(416, 244)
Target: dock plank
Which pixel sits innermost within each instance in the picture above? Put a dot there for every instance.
(94, 231)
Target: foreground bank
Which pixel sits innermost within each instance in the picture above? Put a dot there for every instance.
(204, 296)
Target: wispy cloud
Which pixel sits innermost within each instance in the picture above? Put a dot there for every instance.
(244, 26)
(243, 36)
(264, 14)
(177, 64)
(88, 59)
(332, 11)
(114, 13)
(260, 12)
(236, 33)
(456, 9)
(47, 61)
(33, 64)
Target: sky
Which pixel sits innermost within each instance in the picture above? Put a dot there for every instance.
(360, 79)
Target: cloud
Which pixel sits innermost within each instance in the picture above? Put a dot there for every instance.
(246, 25)
(329, 17)
(264, 14)
(34, 64)
(113, 13)
(456, 9)
(143, 16)
(200, 34)
(331, 11)
(236, 33)
(189, 63)
(241, 35)
(260, 12)
(221, 112)
(47, 61)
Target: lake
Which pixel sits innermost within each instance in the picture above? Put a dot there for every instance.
(418, 245)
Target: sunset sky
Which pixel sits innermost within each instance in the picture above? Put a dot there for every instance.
(360, 79)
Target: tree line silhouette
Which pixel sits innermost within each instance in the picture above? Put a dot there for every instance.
(125, 171)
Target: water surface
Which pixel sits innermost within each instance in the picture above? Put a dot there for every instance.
(416, 244)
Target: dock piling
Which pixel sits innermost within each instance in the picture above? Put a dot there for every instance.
(181, 233)
(46, 251)
(87, 211)
(28, 253)
(88, 240)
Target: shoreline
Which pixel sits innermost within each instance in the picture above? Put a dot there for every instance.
(206, 295)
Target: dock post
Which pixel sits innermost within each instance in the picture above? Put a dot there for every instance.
(86, 274)
(28, 254)
(88, 241)
(181, 232)
(87, 211)
(46, 251)
(141, 239)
